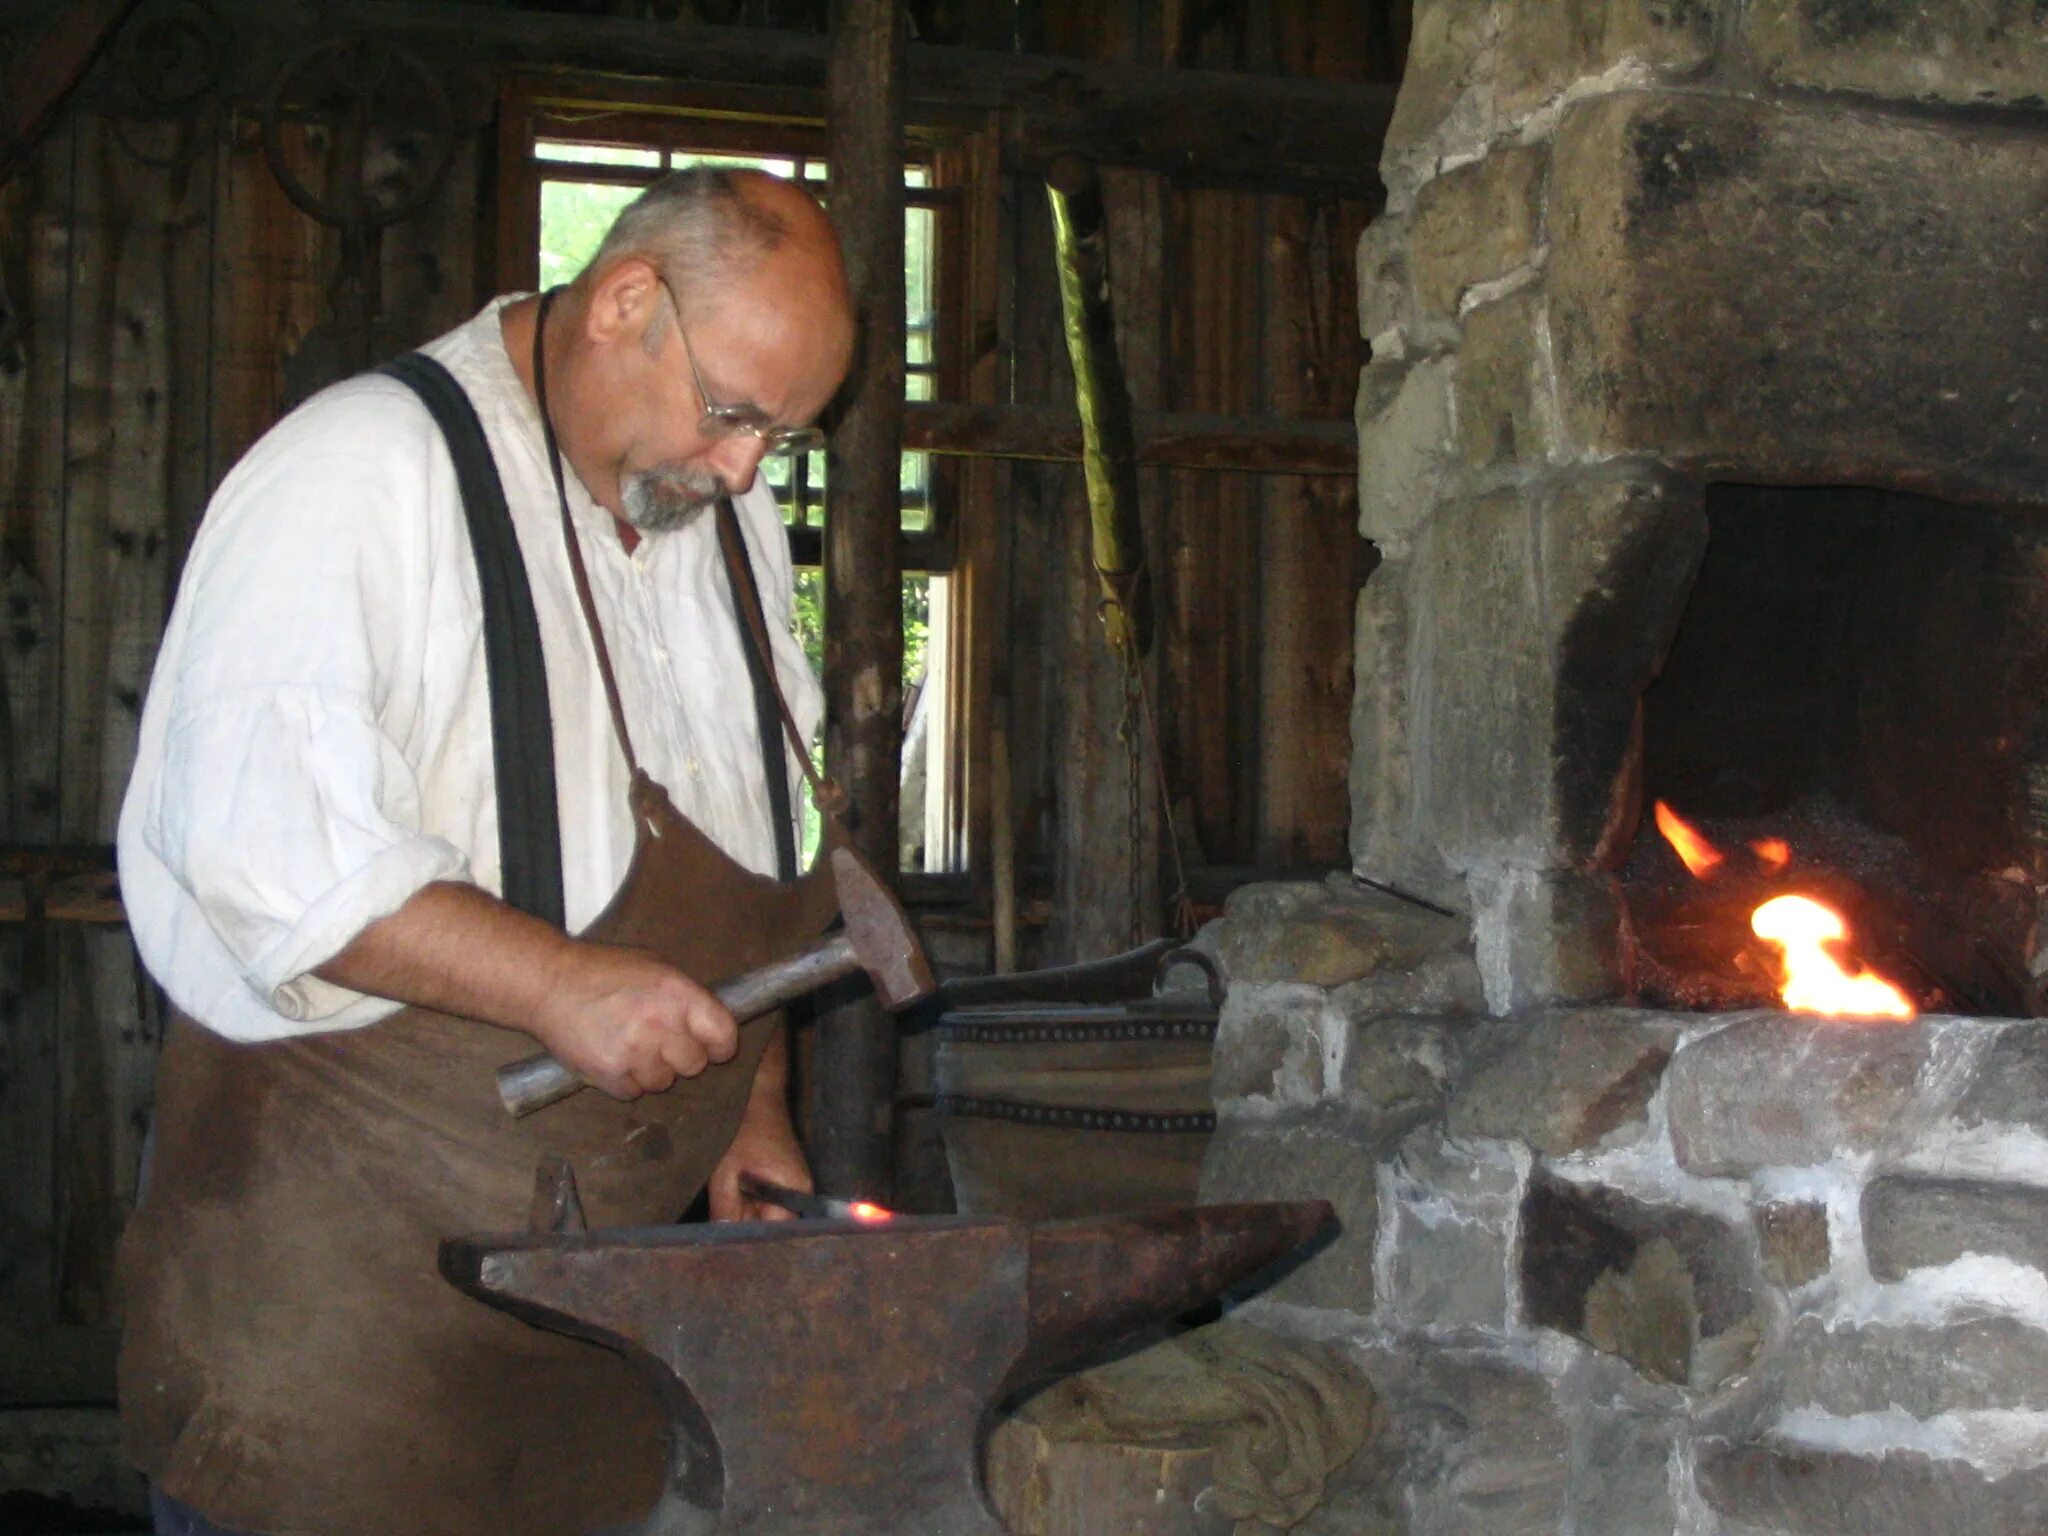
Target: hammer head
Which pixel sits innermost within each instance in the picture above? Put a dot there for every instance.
(883, 940)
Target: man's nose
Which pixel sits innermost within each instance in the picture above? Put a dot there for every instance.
(736, 459)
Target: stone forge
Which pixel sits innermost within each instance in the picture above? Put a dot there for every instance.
(1705, 444)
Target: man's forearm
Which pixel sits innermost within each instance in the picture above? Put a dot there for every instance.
(458, 949)
(626, 1020)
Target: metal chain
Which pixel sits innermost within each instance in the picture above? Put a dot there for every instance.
(1077, 1034)
(1064, 1117)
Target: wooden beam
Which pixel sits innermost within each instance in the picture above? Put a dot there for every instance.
(1271, 133)
(1181, 439)
(45, 73)
(855, 1054)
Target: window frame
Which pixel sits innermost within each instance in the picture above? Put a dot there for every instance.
(961, 193)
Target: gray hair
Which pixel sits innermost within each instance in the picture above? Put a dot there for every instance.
(697, 225)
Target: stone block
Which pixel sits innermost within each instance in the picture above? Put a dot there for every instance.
(1911, 1222)
(1564, 1081)
(1397, 1069)
(1484, 666)
(1475, 224)
(1621, 1477)
(1504, 412)
(1445, 985)
(1326, 933)
(1792, 1236)
(1542, 614)
(1548, 47)
(1478, 1445)
(2010, 1084)
(1277, 1045)
(1964, 52)
(1446, 89)
(1449, 1255)
(1386, 294)
(1546, 939)
(1390, 838)
(1404, 446)
(1801, 1490)
(1324, 1155)
(1963, 1367)
(1787, 1090)
(1662, 1287)
(1802, 293)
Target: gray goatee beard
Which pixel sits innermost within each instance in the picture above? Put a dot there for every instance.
(660, 500)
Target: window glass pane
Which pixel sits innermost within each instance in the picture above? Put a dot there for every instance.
(920, 231)
(688, 157)
(916, 176)
(596, 154)
(574, 216)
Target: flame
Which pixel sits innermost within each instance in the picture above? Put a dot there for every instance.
(1815, 981)
(1774, 852)
(860, 1210)
(1700, 856)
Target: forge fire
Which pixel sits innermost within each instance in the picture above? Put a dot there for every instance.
(1815, 967)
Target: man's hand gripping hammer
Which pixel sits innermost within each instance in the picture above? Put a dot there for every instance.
(877, 938)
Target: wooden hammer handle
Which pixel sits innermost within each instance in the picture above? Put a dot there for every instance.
(538, 1081)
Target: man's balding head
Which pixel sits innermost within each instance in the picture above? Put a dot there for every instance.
(703, 228)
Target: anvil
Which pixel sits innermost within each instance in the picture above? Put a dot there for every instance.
(834, 1378)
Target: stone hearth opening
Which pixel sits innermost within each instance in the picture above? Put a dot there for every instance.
(1705, 424)
(1856, 676)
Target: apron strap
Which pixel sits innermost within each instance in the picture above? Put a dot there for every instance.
(522, 726)
(771, 710)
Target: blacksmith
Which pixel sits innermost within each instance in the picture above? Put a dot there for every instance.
(398, 747)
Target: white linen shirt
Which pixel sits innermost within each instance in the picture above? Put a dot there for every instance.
(316, 745)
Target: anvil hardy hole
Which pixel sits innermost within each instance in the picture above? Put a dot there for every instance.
(1855, 673)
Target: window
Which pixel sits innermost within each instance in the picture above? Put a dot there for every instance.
(579, 168)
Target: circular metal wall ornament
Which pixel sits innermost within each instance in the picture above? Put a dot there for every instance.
(361, 86)
(167, 57)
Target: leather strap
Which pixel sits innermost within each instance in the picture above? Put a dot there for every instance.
(575, 550)
(522, 726)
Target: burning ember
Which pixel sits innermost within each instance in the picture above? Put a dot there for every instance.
(1700, 856)
(1811, 938)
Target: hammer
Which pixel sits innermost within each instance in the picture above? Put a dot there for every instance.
(877, 938)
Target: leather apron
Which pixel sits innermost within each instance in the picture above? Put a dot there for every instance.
(292, 1360)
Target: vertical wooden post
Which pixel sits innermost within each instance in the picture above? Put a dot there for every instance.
(854, 1059)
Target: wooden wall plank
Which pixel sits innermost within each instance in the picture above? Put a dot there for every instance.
(1212, 548)
(142, 195)
(36, 208)
(1311, 557)
(272, 266)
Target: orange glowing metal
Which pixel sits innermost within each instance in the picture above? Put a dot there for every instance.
(1815, 981)
(1774, 852)
(860, 1210)
(1700, 856)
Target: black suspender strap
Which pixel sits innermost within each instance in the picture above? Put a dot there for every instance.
(746, 603)
(522, 727)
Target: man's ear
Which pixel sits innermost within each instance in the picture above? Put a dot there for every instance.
(622, 300)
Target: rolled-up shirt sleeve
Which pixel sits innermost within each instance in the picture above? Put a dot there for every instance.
(293, 821)
(276, 808)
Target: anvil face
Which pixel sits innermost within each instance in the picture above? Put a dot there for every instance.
(839, 1374)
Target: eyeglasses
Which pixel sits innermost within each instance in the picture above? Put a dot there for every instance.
(724, 421)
